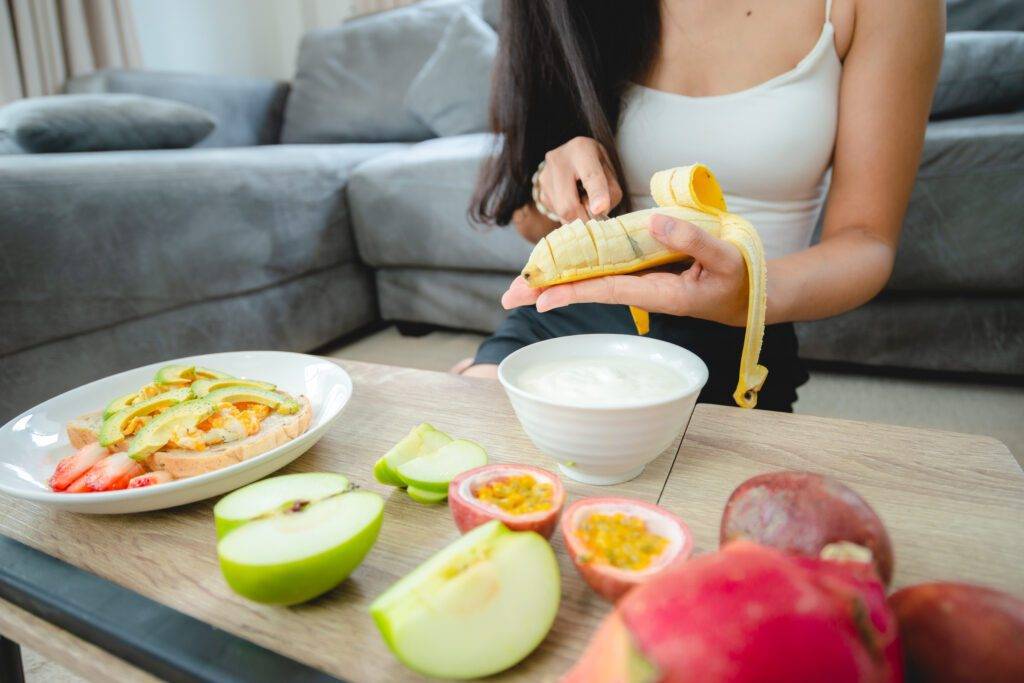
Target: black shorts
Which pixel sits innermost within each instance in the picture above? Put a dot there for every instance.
(717, 345)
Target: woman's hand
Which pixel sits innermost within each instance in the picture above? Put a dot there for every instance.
(713, 288)
(584, 160)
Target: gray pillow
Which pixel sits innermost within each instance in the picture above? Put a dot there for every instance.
(351, 81)
(451, 92)
(982, 73)
(94, 123)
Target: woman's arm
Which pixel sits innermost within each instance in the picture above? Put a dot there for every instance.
(888, 80)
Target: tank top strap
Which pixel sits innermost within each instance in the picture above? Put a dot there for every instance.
(828, 11)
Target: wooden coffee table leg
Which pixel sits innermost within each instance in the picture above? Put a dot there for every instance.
(10, 661)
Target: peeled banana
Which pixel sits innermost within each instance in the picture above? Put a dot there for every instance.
(593, 248)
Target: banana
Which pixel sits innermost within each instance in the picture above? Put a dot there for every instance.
(585, 249)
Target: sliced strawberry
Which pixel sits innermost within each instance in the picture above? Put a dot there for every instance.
(111, 474)
(75, 465)
(77, 486)
(149, 479)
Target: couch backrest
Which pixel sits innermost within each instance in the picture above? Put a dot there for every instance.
(985, 15)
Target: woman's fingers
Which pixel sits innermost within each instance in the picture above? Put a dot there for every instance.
(581, 160)
(558, 186)
(519, 294)
(686, 237)
(657, 292)
(591, 173)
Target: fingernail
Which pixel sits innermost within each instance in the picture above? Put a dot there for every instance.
(597, 203)
(662, 226)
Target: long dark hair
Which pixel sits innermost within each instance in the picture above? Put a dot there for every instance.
(562, 68)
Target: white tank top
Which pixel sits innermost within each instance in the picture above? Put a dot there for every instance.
(770, 146)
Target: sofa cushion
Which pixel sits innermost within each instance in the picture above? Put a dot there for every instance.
(451, 93)
(96, 123)
(351, 81)
(106, 237)
(982, 73)
(300, 314)
(409, 208)
(944, 334)
(964, 227)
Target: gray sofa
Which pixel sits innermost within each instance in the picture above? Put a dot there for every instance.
(285, 229)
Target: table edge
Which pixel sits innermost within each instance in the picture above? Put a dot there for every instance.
(111, 617)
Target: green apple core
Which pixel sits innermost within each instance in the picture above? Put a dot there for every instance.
(475, 608)
(314, 528)
(273, 495)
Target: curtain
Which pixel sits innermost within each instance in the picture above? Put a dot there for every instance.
(45, 42)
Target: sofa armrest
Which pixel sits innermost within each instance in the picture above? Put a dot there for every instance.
(249, 111)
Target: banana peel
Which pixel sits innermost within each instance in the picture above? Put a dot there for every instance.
(586, 249)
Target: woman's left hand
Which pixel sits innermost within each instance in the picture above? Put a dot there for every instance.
(713, 288)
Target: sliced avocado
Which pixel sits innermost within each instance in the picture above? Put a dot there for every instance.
(117, 404)
(160, 429)
(176, 374)
(202, 387)
(207, 373)
(113, 427)
(279, 402)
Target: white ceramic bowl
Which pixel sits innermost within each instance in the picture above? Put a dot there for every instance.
(32, 443)
(603, 444)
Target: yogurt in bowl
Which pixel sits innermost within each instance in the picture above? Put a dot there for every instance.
(602, 405)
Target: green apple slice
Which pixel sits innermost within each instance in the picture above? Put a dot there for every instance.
(426, 497)
(420, 441)
(433, 471)
(303, 551)
(273, 495)
(476, 608)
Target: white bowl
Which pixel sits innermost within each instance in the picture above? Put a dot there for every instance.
(33, 443)
(606, 443)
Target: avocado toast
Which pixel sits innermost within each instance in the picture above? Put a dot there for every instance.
(190, 420)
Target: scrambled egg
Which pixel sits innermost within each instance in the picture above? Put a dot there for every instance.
(231, 422)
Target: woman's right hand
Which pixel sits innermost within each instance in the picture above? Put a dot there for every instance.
(584, 160)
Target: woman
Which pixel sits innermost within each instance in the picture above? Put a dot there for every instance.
(787, 102)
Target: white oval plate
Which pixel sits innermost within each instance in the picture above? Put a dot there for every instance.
(33, 443)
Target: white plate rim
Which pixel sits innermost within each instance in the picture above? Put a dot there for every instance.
(98, 499)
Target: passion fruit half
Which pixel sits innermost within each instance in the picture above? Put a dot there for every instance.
(524, 498)
(618, 543)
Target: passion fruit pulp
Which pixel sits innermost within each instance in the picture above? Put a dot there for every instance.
(523, 497)
(618, 543)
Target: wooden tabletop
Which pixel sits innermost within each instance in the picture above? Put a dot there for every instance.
(953, 503)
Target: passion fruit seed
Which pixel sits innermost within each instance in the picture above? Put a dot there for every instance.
(619, 540)
(518, 494)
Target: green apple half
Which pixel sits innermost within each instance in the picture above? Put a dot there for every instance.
(292, 552)
(433, 471)
(420, 441)
(476, 608)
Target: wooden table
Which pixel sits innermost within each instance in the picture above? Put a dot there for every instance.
(953, 503)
